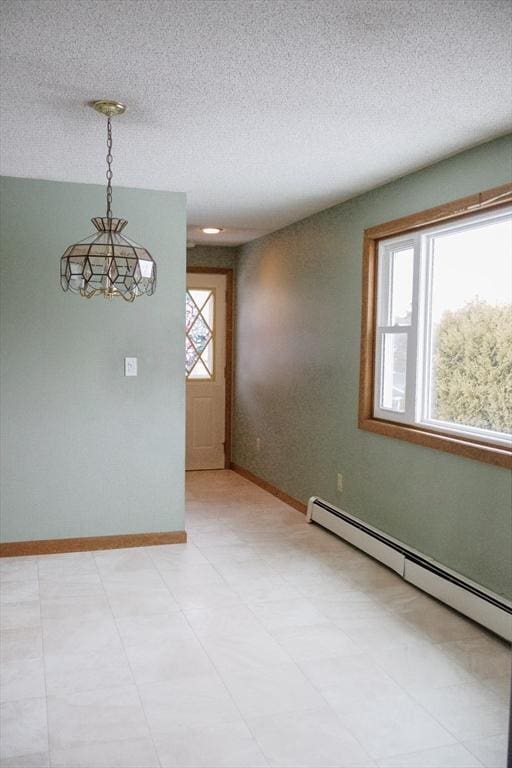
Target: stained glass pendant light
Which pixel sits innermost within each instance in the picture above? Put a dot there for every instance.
(107, 262)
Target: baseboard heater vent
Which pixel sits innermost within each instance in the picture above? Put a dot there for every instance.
(479, 604)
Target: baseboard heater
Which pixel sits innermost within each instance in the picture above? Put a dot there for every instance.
(474, 601)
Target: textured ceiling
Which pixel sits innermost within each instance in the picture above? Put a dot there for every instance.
(262, 112)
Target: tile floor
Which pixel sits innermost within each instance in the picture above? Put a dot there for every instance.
(264, 641)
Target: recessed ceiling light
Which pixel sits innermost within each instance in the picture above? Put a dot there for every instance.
(211, 230)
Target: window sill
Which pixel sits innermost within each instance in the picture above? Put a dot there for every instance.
(470, 449)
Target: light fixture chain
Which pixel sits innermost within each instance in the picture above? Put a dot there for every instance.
(109, 168)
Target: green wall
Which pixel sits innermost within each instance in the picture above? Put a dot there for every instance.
(212, 256)
(86, 451)
(297, 369)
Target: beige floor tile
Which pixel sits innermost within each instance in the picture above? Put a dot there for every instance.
(342, 554)
(87, 671)
(108, 714)
(165, 554)
(324, 640)
(83, 608)
(492, 751)
(168, 660)
(122, 560)
(236, 622)
(228, 553)
(147, 579)
(279, 614)
(207, 522)
(467, 711)
(215, 536)
(329, 586)
(271, 689)
(69, 564)
(228, 745)
(127, 753)
(247, 655)
(248, 571)
(22, 679)
(349, 607)
(500, 686)
(416, 667)
(20, 615)
(20, 644)
(140, 601)
(18, 568)
(378, 634)
(275, 552)
(18, 591)
(201, 700)
(203, 596)
(452, 756)
(71, 586)
(394, 725)
(185, 575)
(260, 538)
(299, 568)
(266, 588)
(349, 679)
(39, 760)
(70, 636)
(440, 624)
(23, 728)
(402, 598)
(154, 630)
(310, 739)
(484, 657)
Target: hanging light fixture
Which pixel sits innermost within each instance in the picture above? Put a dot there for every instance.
(107, 262)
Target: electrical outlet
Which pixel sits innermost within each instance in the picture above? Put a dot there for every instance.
(339, 483)
(258, 445)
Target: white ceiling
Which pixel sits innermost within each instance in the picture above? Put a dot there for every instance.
(262, 111)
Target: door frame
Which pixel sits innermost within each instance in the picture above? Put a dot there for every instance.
(229, 351)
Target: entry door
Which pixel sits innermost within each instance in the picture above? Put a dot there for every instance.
(205, 364)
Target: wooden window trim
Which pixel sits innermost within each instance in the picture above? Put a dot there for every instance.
(467, 447)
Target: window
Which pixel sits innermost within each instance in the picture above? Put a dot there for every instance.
(437, 329)
(199, 338)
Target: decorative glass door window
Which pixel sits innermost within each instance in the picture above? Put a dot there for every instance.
(200, 329)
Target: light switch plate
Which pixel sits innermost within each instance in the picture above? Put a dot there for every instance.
(130, 366)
